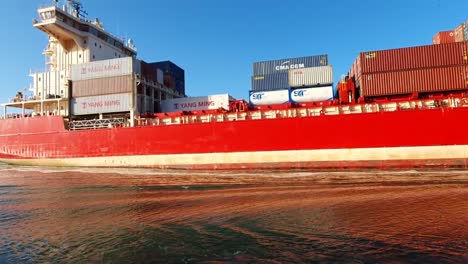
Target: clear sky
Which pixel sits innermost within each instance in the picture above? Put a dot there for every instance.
(216, 41)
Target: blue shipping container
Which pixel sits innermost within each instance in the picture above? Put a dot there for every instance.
(283, 65)
(270, 82)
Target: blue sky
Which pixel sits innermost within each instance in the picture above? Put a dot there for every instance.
(216, 41)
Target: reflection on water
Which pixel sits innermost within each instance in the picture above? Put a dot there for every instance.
(145, 216)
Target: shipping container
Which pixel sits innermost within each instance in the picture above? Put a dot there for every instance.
(407, 82)
(170, 68)
(102, 86)
(444, 37)
(148, 72)
(269, 97)
(412, 58)
(465, 30)
(105, 68)
(276, 66)
(112, 103)
(315, 76)
(169, 81)
(211, 102)
(459, 36)
(270, 82)
(461, 32)
(308, 95)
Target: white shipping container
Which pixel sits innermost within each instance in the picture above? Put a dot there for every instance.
(105, 68)
(269, 97)
(317, 94)
(311, 76)
(210, 102)
(112, 103)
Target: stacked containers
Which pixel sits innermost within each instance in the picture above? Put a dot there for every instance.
(273, 82)
(311, 84)
(103, 86)
(174, 76)
(150, 72)
(409, 70)
(273, 75)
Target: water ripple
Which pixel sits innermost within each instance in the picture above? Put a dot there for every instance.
(71, 215)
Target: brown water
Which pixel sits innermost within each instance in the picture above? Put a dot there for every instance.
(145, 216)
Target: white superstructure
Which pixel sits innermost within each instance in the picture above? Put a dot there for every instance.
(74, 40)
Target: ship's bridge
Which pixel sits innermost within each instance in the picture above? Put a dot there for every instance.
(65, 25)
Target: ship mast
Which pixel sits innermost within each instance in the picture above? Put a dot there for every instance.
(78, 8)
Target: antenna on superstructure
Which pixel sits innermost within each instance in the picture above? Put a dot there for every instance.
(77, 7)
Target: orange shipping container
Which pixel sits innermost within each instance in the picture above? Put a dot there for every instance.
(444, 37)
(421, 81)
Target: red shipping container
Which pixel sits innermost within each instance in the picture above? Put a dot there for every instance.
(412, 58)
(444, 37)
(421, 81)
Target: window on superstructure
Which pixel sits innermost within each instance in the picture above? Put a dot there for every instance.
(84, 28)
(93, 31)
(59, 16)
(119, 45)
(102, 36)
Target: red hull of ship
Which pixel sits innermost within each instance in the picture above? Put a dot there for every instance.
(367, 140)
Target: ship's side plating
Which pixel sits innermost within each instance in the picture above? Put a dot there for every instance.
(401, 138)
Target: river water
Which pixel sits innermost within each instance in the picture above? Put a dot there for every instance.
(149, 216)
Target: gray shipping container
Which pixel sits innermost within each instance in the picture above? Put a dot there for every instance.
(465, 30)
(276, 66)
(102, 86)
(270, 82)
(112, 103)
(314, 76)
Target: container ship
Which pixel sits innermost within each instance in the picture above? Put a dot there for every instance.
(97, 105)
